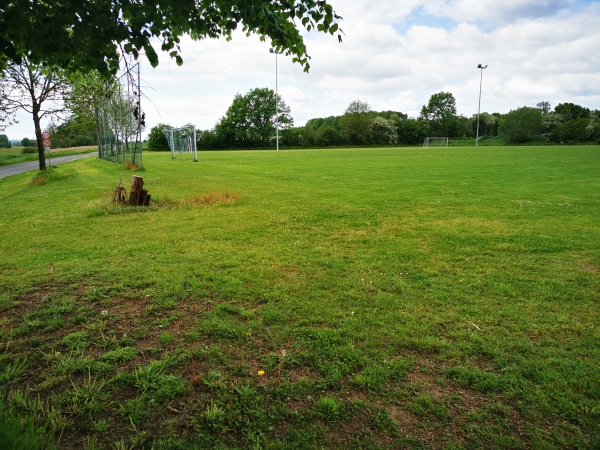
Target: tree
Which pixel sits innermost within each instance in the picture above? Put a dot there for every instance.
(95, 34)
(356, 123)
(328, 135)
(488, 125)
(385, 130)
(89, 92)
(441, 111)
(37, 90)
(550, 121)
(593, 129)
(157, 141)
(250, 120)
(572, 131)
(413, 131)
(4, 142)
(544, 107)
(521, 125)
(76, 131)
(571, 111)
(26, 142)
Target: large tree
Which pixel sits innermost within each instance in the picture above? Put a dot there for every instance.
(89, 93)
(95, 34)
(76, 131)
(4, 142)
(37, 90)
(356, 123)
(521, 125)
(488, 125)
(441, 112)
(250, 120)
(571, 111)
(157, 141)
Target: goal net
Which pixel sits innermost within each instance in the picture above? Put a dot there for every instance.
(182, 140)
(435, 142)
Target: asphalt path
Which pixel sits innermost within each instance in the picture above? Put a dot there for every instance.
(13, 169)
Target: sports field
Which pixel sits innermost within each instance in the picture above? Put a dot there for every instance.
(349, 298)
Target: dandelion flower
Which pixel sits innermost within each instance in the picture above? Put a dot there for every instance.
(261, 373)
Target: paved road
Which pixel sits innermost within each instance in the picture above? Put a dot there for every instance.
(14, 169)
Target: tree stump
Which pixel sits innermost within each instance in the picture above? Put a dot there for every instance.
(138, 196)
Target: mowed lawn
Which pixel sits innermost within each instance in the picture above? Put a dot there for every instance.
(15, 154)
(349, 298)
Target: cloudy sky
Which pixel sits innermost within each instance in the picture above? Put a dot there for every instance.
(395, 55)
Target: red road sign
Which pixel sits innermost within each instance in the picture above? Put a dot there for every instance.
(47, 143)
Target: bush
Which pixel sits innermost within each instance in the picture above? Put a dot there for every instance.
(25, 150)
(521, 125)
(157, 140)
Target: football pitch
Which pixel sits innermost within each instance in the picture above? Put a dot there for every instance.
(341, 298)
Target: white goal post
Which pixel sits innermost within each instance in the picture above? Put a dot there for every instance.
(182, 140)
(435, 142)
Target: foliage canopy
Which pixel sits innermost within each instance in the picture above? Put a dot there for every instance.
(521, 125)
(94, 35)
(441, 111)
(251, 119)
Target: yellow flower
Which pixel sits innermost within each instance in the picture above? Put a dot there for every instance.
(261, 373)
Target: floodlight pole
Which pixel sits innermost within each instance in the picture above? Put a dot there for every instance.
(479, 107)
(272, 50)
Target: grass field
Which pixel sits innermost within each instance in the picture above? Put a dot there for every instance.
(14, 156)
(380, 298)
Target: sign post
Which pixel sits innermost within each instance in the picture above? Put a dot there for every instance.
(47, 144)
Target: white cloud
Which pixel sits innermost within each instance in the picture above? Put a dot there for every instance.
(395, 55)
(506, 11)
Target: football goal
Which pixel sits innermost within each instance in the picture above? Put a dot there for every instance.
(182, 140)
(435, 142)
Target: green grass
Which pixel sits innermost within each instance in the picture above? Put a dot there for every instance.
(393, 298)
(14, 156)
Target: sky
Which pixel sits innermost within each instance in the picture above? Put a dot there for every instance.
(395, 54)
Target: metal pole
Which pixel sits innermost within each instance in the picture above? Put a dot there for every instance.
(139, 130)
(276, 104)
(195, 146)
(479, 107)
(272, 50)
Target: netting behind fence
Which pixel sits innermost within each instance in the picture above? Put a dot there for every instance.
(121, 120)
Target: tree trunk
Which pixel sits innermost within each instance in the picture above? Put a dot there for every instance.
(96, 116)
(40, 140)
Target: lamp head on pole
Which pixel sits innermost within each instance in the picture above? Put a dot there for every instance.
(481, 67)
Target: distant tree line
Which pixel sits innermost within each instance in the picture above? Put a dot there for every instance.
(250, 122)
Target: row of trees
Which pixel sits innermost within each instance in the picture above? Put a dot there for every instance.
(251, 120)
(567, 123)
(25, 142)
